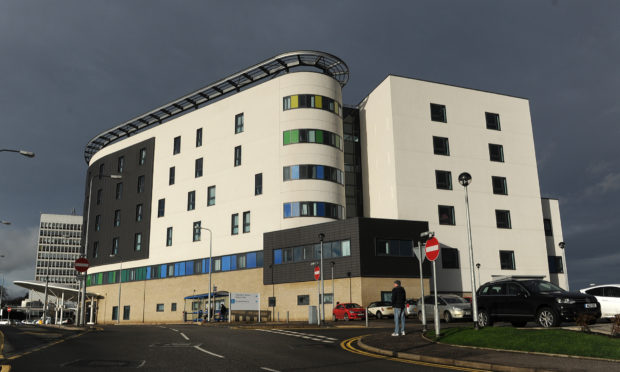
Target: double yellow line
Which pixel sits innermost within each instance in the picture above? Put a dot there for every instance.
(348, 346)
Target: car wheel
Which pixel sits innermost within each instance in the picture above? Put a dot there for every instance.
(447, 317)
(546, 317)
(378, 315)
(346, 317)
(519, 323)
(484, 320)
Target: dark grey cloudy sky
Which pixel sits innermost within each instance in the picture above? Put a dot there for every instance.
(72, 69)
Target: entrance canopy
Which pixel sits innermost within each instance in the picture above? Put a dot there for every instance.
(218, 294)
(54, 289)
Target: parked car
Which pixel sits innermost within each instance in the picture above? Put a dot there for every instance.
(7, 322)
(349, 311)
(521, 300)
(608, 296)
(379, 309)
(411, 307)
(449, 307)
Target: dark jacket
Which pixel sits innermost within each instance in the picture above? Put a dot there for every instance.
(398, 297)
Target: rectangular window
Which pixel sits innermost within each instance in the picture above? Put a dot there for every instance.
(217, 264)
(258, 184)
(140, 184)
(198, 137)
(197, 230)
(246, 222)
(115, 243)
(114, 312)
(117, 218)
(507, 260)
(548, 227)
(171, 175)
(169, 237)
(503, 219)
(496, 152)
(241, 261)
(238, 123)
(159, 308)
(95, 249)
(139, 211)
(98, 222)
(441, 146)
(303, 300)
(173, 306)
(234, 224)
(211, 196)
(161, 207)
(191, 200)
(438, 113)
(198, 168)
(449, 258)
(177, 145)
(99, 196)
(499, 185)
(121, 164)
(237, 156)
(443, 180)
(137, 242)
(555, 265)
(101, 170)
(142, 156)
(119, 191)
(492, 121)
(446, 215)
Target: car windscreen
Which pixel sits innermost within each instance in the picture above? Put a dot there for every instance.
(455, 300)
(351, 306)
(540, 286)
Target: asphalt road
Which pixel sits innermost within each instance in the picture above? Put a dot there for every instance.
(196, 348)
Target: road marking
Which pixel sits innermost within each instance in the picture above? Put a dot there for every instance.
(269, 369)
(47, 345)
(183, 335)
(208, 352)
(306, 336)
(347, 345)
(176, 330)
(141, 364)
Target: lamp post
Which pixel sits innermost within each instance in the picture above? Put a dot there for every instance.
(478, 267)
(210, 269)
(465, 180)
(82, 318)
(321, 237)
(25, 153)
(562, 245)
(333, 293)
(120, 281)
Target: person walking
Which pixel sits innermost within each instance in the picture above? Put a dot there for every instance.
(398, 303)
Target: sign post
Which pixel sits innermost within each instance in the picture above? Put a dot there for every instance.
(432, 252)
(8, 309)
(421, 256)
(317, 276)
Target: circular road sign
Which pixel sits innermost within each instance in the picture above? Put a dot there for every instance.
(317, 272)
(432, 249)
(8, 309)
(81, 264)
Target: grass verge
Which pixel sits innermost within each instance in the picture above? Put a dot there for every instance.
(554, 341)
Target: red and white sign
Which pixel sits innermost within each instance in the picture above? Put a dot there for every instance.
(317, 273)
(8, 309)
(81, 264)
(432, 249)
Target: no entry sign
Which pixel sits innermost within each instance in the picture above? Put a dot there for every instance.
(317, 272)
(432, 249)
(81, 264)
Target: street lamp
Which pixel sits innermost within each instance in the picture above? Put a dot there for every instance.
(82, 318)
(28, 154)
(321, 237)
(120, 281)
(333, 293)
(465, 180)
(210, 269)
(478, 267)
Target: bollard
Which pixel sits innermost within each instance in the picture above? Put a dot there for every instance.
(287, 318)
(278, 317)
(366, 317)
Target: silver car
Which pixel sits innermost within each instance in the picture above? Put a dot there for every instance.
(450, 307)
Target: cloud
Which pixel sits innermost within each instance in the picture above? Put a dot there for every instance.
(18, 245)
(590, 227)
(611, 182)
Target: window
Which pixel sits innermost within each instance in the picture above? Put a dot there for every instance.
(499, 185)
(171, 175)
(198, 168)
(312, 136)
(496, 152)
(503, 219)
(139, 211)
(115, 243)
(507, 260)
(161, 207)
(438, 113)
(440, 146)
(140, 184)
(391, 247)
(246, 222)
(446, 215)
(169, 237)
(443, 180)
(449, 258)
(313, 171)
(137, 242)
(303, 300)
(258, 184)
(98, 222)
(211, 196)
(241, 261)
(555, 265)
(492, 121)
(313, 209)
(237, 156)
(217, 264)
(191, 200)
(234, 224)
(95, 249)
(159, 308)
(173, 306)
(101, 170)
(119, 191)
(548, 227)
(177, 145)
(197, 230)
(99, 196)
(198, 137)
(142, 158)
(121, 164)
(117, 218)
(114, 312)
(238, 123)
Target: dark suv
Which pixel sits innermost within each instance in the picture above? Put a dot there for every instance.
(521, 300)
